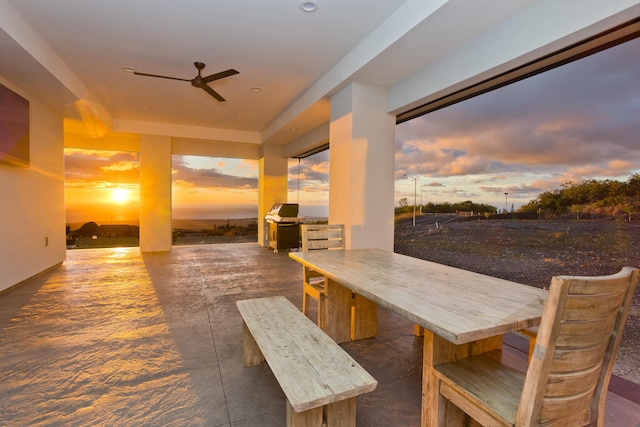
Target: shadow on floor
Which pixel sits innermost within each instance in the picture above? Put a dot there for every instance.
(113, 337)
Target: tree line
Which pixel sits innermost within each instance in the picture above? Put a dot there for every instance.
(446, 207)
(592, 198)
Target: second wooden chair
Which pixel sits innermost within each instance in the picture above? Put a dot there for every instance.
(318, 237)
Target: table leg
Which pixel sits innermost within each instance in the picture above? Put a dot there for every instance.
(437, 351)
(364, 318)
(338, 303)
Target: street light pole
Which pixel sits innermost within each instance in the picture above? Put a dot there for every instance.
(415, 196)
(505, 202)
(421, 188)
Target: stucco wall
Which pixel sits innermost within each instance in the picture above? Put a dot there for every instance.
(32, 216)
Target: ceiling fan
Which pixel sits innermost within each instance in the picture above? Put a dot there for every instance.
(199, 81)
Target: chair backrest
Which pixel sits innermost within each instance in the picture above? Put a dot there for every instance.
(322, 236)
(575, 351)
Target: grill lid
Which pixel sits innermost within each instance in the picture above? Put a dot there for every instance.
(284, 210)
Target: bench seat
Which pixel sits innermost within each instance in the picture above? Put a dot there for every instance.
(319, 379)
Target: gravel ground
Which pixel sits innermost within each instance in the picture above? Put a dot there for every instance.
(531, 252)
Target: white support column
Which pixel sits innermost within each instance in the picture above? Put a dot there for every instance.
(362, 166)
(155, 194)
(272, 183)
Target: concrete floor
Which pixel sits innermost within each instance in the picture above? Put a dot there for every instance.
(117, 338)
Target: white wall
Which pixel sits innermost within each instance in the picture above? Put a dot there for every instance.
(272, 184)
(155, 193)
(32, 201)
(361, 163)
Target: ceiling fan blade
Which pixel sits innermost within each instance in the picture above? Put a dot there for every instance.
(212, 92)
(198, 81)
(220, 75)
(162, 77)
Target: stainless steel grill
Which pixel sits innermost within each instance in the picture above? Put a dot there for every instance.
(282, 226)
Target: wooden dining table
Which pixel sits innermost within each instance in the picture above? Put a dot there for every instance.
(463, 313)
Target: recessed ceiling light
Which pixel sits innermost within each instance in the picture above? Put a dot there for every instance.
(308, 5)
(293, 129)
(128, 69)
(256, 89)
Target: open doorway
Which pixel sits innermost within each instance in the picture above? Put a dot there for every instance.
(309, 185)
(101, 198)
(214, 200)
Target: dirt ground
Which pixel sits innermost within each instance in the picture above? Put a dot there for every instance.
(531, 252)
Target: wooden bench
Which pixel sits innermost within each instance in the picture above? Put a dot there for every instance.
(320, 380)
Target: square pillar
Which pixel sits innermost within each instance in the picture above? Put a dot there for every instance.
(155, 194)
(362, 166)
(272, 185)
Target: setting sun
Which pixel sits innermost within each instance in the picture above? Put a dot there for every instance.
(119, 195)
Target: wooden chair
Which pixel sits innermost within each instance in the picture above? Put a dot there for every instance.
(568, 376)
(318, 237)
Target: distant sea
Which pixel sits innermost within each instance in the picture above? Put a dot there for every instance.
(197, 217)
(235, 212)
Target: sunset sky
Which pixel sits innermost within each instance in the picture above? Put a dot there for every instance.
(580, 121)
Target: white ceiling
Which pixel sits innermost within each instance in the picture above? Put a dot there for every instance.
(64, 50)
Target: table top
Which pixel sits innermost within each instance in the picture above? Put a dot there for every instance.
(458, 305)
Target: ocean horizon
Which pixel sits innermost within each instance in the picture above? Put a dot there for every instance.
(238, 212)
(216, 215)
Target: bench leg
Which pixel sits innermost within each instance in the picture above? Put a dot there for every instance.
(341, 414)
(337, 414)
(308, 418)
(251, 354)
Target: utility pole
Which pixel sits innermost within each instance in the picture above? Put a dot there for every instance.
(421, 188)
(415, 196)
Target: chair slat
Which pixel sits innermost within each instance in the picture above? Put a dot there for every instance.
(596, 285)
(324, 244)
(572, 383)
(590, 307)
(565, 409)
(578, 359)
(585, 334)
(330, 233)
